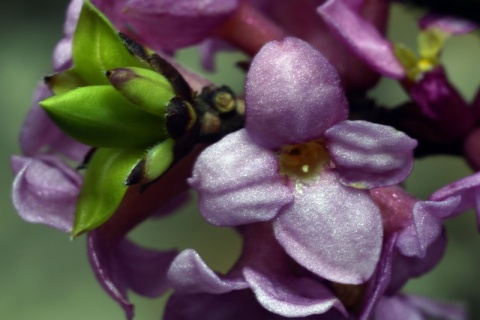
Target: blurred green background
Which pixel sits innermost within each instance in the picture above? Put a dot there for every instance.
(44, 275)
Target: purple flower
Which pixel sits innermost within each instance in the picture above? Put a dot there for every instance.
(422, 77)
(360, 36)
(468, 189)
(283, 288)
(45, 191)
(288, 290)
(122, 266)
(301, 165)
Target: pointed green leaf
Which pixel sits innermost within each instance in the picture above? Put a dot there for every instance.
(146, 89)
(103, 187)
(98, 48)
(101, 117)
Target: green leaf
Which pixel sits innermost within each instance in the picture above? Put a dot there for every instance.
(101, 117)
(103, 187)
(147, 89)
(98, 48)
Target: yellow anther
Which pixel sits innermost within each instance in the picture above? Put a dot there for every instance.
(303, 161)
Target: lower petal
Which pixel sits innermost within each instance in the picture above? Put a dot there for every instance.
(291, 297)
(332, 230)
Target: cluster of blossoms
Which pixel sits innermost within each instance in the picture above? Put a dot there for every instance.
(121, 130)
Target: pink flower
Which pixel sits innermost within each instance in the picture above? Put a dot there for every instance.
(301, 165)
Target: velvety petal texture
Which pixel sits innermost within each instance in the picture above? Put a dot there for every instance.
(368, 155)
(173, 24)
(332, 230)
(292, 94)
(121, 266)
(361, 37)
(297, 298)
(238, 182)
(188, 273)
(426, 226)
(45, 191)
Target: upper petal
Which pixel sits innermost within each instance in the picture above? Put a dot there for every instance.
(238, 182)
(369, 155)
(361, 37)
(332, 230)
(45, 191)
(292, 94)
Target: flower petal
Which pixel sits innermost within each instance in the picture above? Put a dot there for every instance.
(120, 266)
(292, 94)
(295, 298)
(361, 37)
(235, 305)
(172, 24)
(332, 230)
(395, 308)
(188, 273)
(45, 191)
(380, 279)
(368, 155)
(406, 268)
(448, 24)
(469, 190)
(238, 182)
(436, 309)
(426, 226)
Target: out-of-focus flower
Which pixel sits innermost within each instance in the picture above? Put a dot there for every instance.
(45, 191)
(422, 77)
(299, 164)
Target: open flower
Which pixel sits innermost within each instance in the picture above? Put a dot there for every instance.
(300, 164)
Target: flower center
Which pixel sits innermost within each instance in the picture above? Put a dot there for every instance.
(303, 161)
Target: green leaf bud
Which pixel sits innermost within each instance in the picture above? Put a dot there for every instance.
(146, 89)
(157, 160)
(101, 117)
(97, 47)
